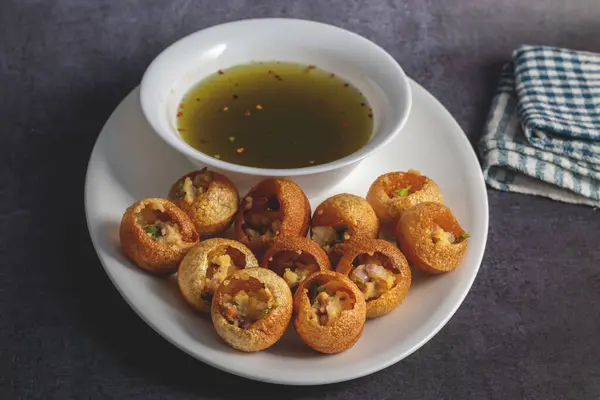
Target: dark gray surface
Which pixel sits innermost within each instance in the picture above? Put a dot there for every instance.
(528, 329)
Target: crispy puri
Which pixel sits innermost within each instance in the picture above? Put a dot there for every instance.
(208, 198)
(206, 265)
(341, 218)
(272, 208)
(294, 258)
(155, 234)
(380, 271)
(251, 309)
(431, 238)
(392, 193)
(329, 312)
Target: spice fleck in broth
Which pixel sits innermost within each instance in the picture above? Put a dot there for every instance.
(275, 115)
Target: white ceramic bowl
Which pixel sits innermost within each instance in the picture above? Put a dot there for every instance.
(367, 66)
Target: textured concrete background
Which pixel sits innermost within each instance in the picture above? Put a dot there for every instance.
(529, 328)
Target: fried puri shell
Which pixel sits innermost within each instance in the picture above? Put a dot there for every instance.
(391, 258)
(294, 258)
(350, 216)
(267, 330)
(198, 273)
(155, 235)
(211, 203)
(274, 207)
(392, 193)
(431, 238)
(338, 334)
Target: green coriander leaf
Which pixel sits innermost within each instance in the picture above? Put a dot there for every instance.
(153, 231)
(266, 311)
(180, 194)
(463, 236)
(403, 191)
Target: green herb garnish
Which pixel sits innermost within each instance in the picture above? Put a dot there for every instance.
(180, 193)
(463, 236)
(403, 191)
(153, 231)
(266, 311)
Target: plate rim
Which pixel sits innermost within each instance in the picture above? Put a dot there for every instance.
(308, 382)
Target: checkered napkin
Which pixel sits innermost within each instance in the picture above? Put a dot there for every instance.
(543, 132)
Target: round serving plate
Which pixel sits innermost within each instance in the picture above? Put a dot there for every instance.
(129, 162)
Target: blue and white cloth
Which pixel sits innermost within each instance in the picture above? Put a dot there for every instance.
(542, 136)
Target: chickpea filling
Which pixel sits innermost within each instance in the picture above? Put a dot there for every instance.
(158, 224)
(329, 300)
(262, 217)
(293, 266)
(223, 261)
(244, 306)
(372, 274)
(329, 237)
(190, 188)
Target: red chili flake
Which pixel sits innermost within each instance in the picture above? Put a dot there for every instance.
(179, 114)
(345, 124)
(371, 115)
(247, 113)
(221, 72)
(182, 105)
(346, 84)
(240, 150)
(235, 96)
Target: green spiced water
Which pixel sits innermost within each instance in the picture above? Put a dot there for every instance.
(275, 115)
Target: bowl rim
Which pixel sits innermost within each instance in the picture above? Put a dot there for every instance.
(181, 146)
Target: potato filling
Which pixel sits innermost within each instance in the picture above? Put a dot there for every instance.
(295, 276)
(191, 187)
(371, 277)
(293, 266)
(328, 237)
(158, 225)
(439, 235)
(262, 217)
(328, 302)
(221, 265)
(164, 232)
(244, 308)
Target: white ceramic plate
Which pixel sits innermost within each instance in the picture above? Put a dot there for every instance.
(129, 162)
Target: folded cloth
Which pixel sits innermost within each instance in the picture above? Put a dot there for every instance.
(542, 135)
